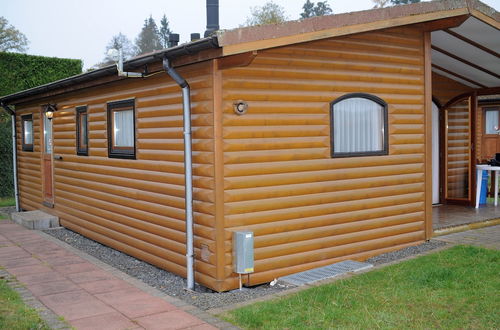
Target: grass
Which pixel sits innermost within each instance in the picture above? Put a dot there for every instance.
(14, 314)
(454, 288)
(7, 201)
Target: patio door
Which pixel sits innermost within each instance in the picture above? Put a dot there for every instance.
(459, 171)
(47, 162)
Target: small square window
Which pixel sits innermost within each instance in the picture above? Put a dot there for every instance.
(82, 147)
(121, 129)
(27, 131)
(492, 121)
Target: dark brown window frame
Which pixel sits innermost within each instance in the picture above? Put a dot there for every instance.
(82, 147)
(120, 152)
(485, 110)
(25, 146)
(378, 100)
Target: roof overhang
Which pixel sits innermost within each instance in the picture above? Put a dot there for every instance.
(469, 53)
(316, 28)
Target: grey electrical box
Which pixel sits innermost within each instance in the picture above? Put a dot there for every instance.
(243, 252)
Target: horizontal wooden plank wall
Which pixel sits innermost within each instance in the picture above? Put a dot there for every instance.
(136, 206)
(305, 208)
(444, 88)
(29, 164)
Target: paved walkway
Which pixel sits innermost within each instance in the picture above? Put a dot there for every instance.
(488, 237)
(86, 295)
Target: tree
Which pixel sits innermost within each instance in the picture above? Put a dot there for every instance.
(119, 41)
(319, 9)
(403, 2)
(11, 39)
(380, 3)
(164, 31)
(149, 38)
(269, 13)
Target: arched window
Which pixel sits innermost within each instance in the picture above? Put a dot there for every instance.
(359, 126)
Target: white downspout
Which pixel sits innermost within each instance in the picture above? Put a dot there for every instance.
(14, 153)
(14, 161)
(188, 169)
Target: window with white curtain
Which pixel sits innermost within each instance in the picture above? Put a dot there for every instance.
(121, 129)
(359, 126)
(492, 121)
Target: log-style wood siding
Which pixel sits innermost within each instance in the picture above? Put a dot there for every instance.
(269, 171)
(305, 208)
(136, 206)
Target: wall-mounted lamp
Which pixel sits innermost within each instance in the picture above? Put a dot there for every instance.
(240, 107)
(49, 111)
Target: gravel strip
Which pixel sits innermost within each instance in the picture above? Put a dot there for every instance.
(162, 280)
(202, 297)
(406, 252)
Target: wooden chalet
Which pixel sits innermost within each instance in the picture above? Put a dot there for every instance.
(329, 138)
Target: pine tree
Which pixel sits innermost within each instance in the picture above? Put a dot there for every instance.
(149, 38)
(403, 2)
(319, 9)
(308, 9)
(164, 31)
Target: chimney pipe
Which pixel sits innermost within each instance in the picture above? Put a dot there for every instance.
(212, 17)
(173, 39)
(195, 36)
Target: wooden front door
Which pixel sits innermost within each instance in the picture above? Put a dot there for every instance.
(47, 162)
(490, 142)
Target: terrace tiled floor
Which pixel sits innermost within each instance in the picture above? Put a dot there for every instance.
(87, 296)
(444, 216)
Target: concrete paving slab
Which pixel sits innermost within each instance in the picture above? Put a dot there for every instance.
(169, 320)
(110, 321)
(85, 292)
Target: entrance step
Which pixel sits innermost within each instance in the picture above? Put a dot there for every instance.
(322, 273)
(35, 219)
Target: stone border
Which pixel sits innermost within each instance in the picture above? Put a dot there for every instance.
(52, 320)
(465, 227)
(188, 308)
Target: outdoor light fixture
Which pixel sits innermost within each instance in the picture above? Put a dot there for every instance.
(49, 111)
(240, 107)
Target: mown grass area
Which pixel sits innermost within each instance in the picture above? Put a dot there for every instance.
(14, 313)
(7, 201)
(453, 289)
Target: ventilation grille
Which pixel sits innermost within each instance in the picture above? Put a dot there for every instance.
(322, 273)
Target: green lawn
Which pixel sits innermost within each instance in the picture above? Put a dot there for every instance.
(453, 289)
(14, 314)
(7, 201)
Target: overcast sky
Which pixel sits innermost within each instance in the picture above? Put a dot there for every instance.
(82, 28)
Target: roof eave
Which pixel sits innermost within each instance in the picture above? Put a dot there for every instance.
(275, 35)
(174, 52)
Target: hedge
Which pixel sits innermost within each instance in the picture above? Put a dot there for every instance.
(20, 71)
(6, 175)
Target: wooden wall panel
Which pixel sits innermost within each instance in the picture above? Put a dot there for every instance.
(306, 208)
(136, 206)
